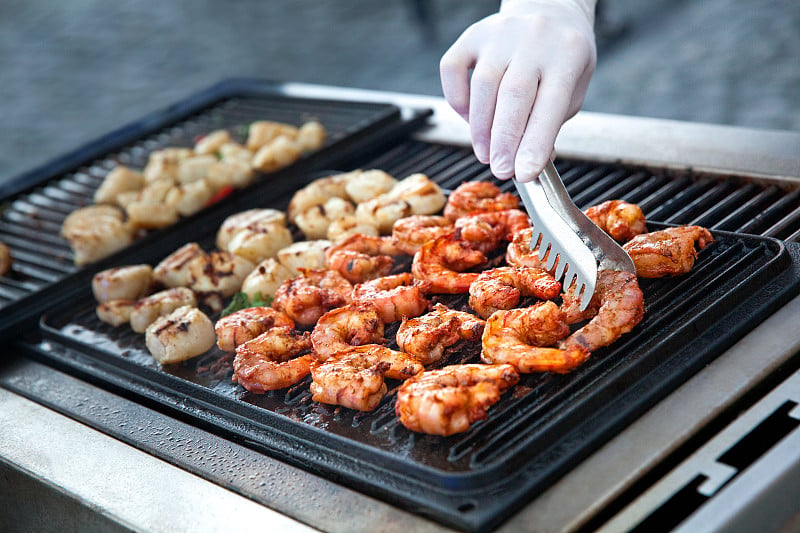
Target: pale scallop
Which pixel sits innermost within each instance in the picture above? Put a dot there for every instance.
(304, 255)
(184, 333)
(148, 309)
(126, 282)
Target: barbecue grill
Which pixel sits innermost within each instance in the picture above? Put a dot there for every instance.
(622, 441)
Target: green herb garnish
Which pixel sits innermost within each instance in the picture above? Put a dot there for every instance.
(241, 301)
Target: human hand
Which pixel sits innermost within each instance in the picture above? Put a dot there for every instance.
(531, 64)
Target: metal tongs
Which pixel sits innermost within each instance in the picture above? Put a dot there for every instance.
(570, 241)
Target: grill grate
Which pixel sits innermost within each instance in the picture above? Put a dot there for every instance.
(725, 203)
(30, 221)
(548, 423)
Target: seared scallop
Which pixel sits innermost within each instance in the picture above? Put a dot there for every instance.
(148, 309)
(314, 222)
(219, 277)
(304, 254)
(96, 232)
(127, 282)
(279, 153)
(252, 219)
(175, 270)
(184, 333)
(212, 142)
(115, 312)
(266, 278)
(121, 179)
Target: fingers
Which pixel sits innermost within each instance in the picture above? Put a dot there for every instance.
(454, 69)
(550, 109)
(483, 100)
(515, 100)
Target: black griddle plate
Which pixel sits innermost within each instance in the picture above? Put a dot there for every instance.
(538, 431)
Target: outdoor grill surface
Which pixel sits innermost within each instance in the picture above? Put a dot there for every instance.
(538, 430)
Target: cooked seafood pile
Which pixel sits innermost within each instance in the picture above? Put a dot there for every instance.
(322, 306)
(178, 182)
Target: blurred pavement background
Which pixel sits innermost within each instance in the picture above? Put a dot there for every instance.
(73, 71)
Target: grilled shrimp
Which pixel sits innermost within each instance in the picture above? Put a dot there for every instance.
(354, 377)
(361, 257)
(427, 336)
(520, 254)
(308, 255)
(617, 306)
(520, 337)
(502, 288)
(148, 309)
(315, 221)
(247, 324)
(128, 282)
(414, 195)
(669, 252)
(443, 261)
(491, 227)
(357, 267)
(448, 401)
(313, 294)
(366, 244)
(478, 197)
(485, 231)
(266, 278)
(271, 361)
(410, 233)
(355, 324)
(184, 333)
(622, 220)
(397, 297)
(96, 232)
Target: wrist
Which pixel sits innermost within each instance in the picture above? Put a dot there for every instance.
(585, 8)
